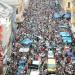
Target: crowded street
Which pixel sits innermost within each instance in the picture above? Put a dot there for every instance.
(43, 43)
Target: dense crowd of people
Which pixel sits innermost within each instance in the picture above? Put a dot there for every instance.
(39, 21)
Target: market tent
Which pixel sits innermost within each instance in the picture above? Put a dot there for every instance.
(22, 62)
(61, 13)
(64, 26)
(67, 15)
(36, 62)
(24, 50)
(26, 41)
(36, 72)
(69, 53)
(64, 34)
(73, 59)
(40, 37)
(56, 15)
(67, 39)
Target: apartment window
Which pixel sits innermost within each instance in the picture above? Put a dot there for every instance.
(68, 4)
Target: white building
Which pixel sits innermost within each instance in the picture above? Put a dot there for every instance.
(20, 5)
(6, 17)
(16, 2)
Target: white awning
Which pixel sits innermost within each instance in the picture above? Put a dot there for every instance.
(34, 73)
(23, 49)
(35, 62)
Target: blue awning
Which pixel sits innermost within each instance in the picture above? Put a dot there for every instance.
(26, 41)
(22, 61)
(70, 53)
(61, 13)
(57, 15)
(67, 15)
(63, 26)
(64, 34)
(67, 39)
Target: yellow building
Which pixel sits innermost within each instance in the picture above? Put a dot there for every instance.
(69, 6)
(73, 13)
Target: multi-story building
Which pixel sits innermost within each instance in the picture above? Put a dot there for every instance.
(69, 6)
(6, 23)
(20, 5)
(73, 15)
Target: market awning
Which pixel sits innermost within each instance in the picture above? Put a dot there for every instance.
(24, 50)
(56, 15)
(26, 41)
(67, 15)
(67, 39)
(34, 72)
(64, 26)
(61, 13)
(70, 53)
(64, 34)
(36, 62)
(22, 61)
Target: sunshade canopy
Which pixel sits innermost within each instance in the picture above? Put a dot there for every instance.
(57, 15)
(36, 62)
(67, 15)
(34, 73)
(23, 49)
(64, 34)
(26, 41)
(67, 39)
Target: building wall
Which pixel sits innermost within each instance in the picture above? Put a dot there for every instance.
(69, 6)
(16, 2)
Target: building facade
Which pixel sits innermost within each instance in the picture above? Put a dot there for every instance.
(20, 5)
(6, 23)
(69, 6)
